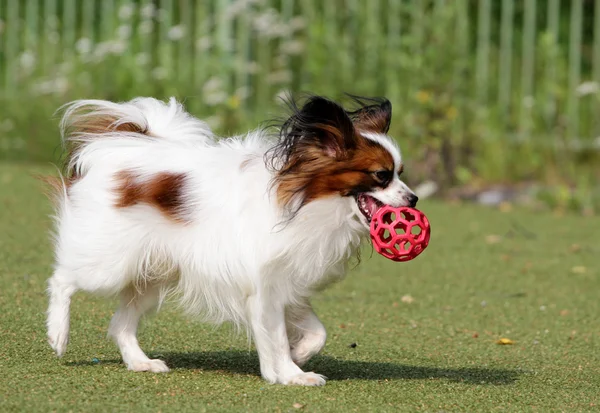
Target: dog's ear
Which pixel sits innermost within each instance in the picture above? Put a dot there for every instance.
(374, 115)
(325, 124)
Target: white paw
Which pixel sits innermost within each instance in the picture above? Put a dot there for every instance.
(306, 379)
(155, 366)
(58, 342)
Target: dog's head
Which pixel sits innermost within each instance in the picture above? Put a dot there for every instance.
(326, 151)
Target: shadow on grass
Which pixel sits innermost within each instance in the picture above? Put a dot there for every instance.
(245, 362)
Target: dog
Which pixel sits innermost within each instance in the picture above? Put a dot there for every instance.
(151, 205)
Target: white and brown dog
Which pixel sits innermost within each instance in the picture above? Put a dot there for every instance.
(244, 229)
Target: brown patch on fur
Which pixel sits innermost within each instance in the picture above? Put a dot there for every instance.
(164, 191)
(315, 175)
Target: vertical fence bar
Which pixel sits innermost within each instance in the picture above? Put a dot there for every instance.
(483, 50)
(505, 64)
(330, 13)
(223, 43)
(202, 43)
(309, 14)
(460, 69)
(595, 107)
(88, 13)
(2, 46)
(107, 17)
(145, 30)
(68, 27)
(12, 45)
(32, 34)
(165, 46)
(417, 33)
(574, 69)
(242, 49)
(550, 71)
(185, 49)
(50, 33)
(371, 43)
(528, 61)
(393, 49)
(263, 57)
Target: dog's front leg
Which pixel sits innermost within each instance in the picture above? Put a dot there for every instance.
(267, 319)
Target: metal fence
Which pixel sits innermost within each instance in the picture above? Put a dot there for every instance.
(529, 67)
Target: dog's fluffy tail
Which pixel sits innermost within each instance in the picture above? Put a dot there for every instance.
(100, 123)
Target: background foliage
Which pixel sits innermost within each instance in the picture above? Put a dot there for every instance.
(483, 91)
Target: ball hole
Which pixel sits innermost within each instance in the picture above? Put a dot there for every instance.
(408, 216)
(389, 217)
(400, 229)
(415, 230)
(385, 234)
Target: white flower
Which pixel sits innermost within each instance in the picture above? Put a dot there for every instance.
(145, 27)
(588, 88)
(528, 101)
(176, 32)
(124, 31)
(213, 121)
(53, 37)
(126, 11)
(213, 93)
(242, 92)
(27, 60)
(7, 125)
(203, 44)
(118, 47)
(297, 23)
(53, 86)
(148, 11)
(252, 68)
(160, 73)
(83, 45)
(281, 76)
(142, 59)
(292, 47)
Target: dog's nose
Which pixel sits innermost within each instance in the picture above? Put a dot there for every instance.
(412, 200)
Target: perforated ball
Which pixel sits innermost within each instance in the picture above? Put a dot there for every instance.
(400, 234)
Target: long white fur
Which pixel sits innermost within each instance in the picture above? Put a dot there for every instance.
(232, 262)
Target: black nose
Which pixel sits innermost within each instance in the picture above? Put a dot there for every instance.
(412, 200)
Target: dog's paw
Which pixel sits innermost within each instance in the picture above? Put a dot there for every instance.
(155, 366)
(306, 379)
(58, 342)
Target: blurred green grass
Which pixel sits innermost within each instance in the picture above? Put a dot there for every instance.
(533, 278)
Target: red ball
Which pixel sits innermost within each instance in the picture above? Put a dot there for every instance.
(400, 234)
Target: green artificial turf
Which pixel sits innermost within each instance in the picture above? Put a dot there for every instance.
(531, 278)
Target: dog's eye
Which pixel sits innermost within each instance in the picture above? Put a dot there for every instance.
(383, 177)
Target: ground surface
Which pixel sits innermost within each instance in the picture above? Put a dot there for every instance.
(484, 277)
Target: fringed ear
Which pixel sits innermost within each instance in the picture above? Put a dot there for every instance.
(374, 115)
(320, 123)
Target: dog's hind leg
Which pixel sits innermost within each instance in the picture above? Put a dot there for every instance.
(123, 329)
(60, 290)
(306, 333)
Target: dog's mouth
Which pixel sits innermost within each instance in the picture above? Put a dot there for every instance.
(368, 205)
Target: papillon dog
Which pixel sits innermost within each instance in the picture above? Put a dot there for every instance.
(245, 229)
